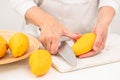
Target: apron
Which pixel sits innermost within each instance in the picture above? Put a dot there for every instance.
(75, 15)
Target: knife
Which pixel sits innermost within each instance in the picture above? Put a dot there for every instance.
(65, 51)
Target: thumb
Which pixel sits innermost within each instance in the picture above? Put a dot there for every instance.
(71, 35)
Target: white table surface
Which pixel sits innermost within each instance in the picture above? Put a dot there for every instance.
(20, 71)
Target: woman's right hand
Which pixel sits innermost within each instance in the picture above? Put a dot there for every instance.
(51, 29)
(51, 32)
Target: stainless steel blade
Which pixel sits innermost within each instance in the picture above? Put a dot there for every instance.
(67, 54)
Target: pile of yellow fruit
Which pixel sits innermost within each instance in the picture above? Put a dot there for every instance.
(40, 61)
(18, 44)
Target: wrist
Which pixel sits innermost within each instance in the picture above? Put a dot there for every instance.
(103, 25)
(105, 21)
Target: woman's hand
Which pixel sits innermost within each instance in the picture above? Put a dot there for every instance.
(51, 32)
(105, 16)
(51, 29)
(99, 44)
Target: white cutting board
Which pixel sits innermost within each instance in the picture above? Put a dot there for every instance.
(110, 54)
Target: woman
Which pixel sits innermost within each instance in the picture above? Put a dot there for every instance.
(70, 18)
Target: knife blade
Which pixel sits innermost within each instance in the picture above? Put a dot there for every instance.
(65, 51)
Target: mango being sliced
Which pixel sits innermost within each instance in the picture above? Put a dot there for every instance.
(84, 44)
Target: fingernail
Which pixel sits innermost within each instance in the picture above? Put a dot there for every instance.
(53, 52)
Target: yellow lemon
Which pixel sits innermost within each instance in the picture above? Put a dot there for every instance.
(18, 44)
(40, 62)
(84, 44)
(3, 46)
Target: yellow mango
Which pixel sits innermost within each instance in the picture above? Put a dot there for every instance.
(3, 46)
(18, 44)
(84, 44)
(40, 62)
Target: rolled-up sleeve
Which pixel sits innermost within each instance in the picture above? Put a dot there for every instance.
(21, 6)
(115, 4)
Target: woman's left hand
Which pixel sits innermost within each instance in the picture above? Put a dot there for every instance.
(99, 44)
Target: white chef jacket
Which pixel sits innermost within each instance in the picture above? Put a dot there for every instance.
(76, 15)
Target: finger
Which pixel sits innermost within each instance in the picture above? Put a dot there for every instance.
(48, 44)
(42, 40)
(102, 46)
(92, 52)
(74, 40)
(79, 35)
(104, 40)
(54, 46)
(97, 42)
(72, 35)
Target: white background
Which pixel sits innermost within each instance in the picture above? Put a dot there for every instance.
(20, 70)
(9, 19)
